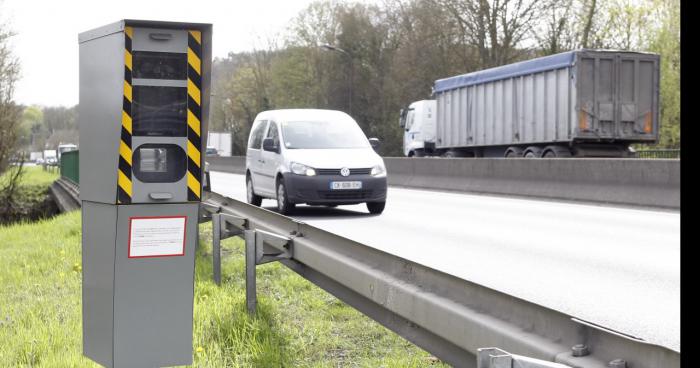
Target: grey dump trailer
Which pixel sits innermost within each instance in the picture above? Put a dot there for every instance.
(583, 103)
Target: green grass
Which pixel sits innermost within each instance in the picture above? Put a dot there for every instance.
(40, 294)
(297, 325)
(35, 175)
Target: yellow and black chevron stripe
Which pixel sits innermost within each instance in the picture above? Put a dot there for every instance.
(125, 150)
(194, 115)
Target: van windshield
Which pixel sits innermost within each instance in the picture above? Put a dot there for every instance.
(323, 135)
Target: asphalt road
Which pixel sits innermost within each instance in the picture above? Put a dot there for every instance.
(616, 267)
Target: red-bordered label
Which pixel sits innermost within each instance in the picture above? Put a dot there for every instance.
(157, 236)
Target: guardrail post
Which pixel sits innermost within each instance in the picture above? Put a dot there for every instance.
(223, 226)
(251, 300)
(216, 247)
(261, 247)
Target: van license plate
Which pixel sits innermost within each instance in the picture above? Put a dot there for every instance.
(335, 185)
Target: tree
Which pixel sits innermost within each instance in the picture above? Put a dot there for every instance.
(292, 82)
(496, 29)
(240, 93)
(393, 52)
(627, 24)
(9, 111)
(555, 35)
(10, 129)
(317, 25)
(666, 42)
(588, 22)
(31, 128)
(61, 125)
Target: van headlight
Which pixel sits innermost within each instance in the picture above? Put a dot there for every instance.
(301, 169)
(378, 170)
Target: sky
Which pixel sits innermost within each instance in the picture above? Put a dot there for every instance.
(46, 40)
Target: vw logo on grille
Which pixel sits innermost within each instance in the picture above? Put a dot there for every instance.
(345, 171)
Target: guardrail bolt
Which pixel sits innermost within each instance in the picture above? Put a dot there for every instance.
(618, 363)
(579, 350)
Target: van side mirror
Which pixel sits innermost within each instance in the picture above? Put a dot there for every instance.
(269, 145)
(374, 142)
(402, 118)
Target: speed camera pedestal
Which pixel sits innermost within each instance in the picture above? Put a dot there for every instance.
(144, 93)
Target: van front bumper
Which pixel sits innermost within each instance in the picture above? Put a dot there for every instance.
(317, 189)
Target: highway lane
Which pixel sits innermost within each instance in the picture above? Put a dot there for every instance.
(616, 267)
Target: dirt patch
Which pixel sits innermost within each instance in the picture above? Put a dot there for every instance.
(30, 203)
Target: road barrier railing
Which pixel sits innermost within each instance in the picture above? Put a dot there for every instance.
(69, 166)
(454, 319)
(631, 182)
(65, 194)
(658, 153)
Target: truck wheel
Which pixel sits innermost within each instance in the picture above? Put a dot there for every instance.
(252, 198)
(283, 205)
(376, 208)
(556, 152)
(514, 152)
(533, 152)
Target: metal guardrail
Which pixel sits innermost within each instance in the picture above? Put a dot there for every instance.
(659, 153)
(66, 194)
(454, 319)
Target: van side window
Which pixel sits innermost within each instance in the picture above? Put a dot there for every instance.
(257, 135)
(273, 133)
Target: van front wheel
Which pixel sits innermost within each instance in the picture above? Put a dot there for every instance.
(283, 205)
(376, 207)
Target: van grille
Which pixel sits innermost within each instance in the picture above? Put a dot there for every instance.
(365, 171)
(345, 194)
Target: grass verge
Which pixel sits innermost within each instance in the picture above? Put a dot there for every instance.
(297, 325)
(30, 201)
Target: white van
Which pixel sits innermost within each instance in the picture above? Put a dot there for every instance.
(318, 157)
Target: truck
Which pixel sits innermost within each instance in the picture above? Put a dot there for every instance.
(36, 155)
(50, 157)
(219, 144)
(581, 103)
(66, 147)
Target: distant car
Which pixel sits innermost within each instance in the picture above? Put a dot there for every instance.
(51, 161)
(318, 157)
(39, 161)
(212, 152)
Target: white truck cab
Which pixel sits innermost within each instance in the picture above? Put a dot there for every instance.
(418, 122)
